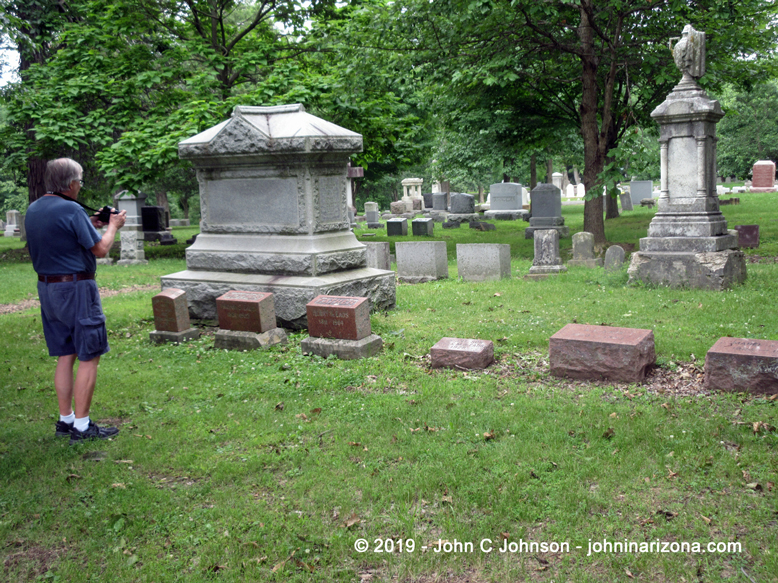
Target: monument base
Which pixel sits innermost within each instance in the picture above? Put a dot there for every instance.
(597, 262)
(529, 232)
(162, 336)
(104, 261)
(292, 293)
(713, 271)
(762, 189)
(343, 349)
(462, 217)
(240, 340)
(506, 215)
(544, 270)
(132, 262)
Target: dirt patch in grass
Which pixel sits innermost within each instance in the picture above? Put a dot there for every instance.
(104, 293)
(30, 562)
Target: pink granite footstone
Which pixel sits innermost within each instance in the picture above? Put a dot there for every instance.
(246, 311)
(581, 351)
(743, 365)
(462, 353)
(344, 317)
(171, 313)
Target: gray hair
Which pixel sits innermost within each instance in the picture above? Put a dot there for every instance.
(60, 173)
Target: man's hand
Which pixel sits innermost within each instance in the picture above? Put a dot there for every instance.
(118, 220)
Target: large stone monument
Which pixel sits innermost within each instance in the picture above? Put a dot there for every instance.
(505, 202)
(131, 235)
(546, 211)
(274, 215)
(763, 174)
(12, 228)
(688, 244)
(411, 192)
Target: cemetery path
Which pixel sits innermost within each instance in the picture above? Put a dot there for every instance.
(104, 293)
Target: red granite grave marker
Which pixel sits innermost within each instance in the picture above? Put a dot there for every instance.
(601, 352)
(748, 236)
(342, 317)
(742, 364)
(246, 311)
(462, 353)
(171, 312)
(763, 174)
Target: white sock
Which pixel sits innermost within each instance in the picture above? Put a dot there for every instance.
(81, 424)
(68, 418)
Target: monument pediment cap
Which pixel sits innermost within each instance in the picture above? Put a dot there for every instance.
(766, 162)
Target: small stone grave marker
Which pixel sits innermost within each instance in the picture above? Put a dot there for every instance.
(583, 251)
(338, 317)
(171, 317)
(459, 353)
(743, 364)
(246, 311)
(397, 207)
(748, 236)
(581, 351)
(614, 258)
(397, 227)
(423, 227)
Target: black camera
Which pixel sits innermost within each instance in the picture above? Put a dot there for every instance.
(104, 214)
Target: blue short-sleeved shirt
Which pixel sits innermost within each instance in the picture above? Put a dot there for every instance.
(60, 237)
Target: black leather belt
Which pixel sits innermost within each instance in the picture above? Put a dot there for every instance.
(61, 278)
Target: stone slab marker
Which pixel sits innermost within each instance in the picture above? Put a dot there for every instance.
(397, 207)
(581, 351)
(12, 228)
(640, 189)
(614, 258)
(378, 255)
(341, 326)
(583, 251)
(421, 261)
(439, 201)
(274, 214)
(423, 227)
(462, 204)
(748, 236)
(483, 261)
(763, 176)
(546, 211)
(247, 320)
(171, 317)
(547, 260)
(626, 201)
(505, 202)
(397, 227)
(742, 365)
(462, 353)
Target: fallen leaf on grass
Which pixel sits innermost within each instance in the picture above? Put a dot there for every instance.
(302, 416)
(489, 435)
(316, 411)
(354, 519)
(280, 406)
(671, 474)
(497, 295)
(761, 425)
(447, 499)
(629, 574)
(123, 461)
(119, 485)
(706, 519)
(614, 415)
(73, 477)
(609, 433)
(354, 444)
(505, 535)
(251, 543)
(770, 486)
(669, 515)
(746, 475)
(754, 486)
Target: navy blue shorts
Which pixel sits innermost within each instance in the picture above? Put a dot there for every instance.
(73, 320)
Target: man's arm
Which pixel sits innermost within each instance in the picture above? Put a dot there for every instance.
(102, 248)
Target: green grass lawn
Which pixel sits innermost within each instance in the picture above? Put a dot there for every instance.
(270, 465)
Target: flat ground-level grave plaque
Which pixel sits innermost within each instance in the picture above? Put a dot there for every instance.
(343, 317)
(462, 353)
(601, 352)
(246, 311)
(742, 364)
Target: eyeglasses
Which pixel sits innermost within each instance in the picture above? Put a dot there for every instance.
(81, 181)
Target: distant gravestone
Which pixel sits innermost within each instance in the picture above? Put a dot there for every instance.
(417, 204)
(601, 352)
(421, 261)
(482, 226)
(546, 211)
(462, 204)
(340, 325)
(246, 311)
(547, 260)
(462, 353)
(626, 201)
(397, 207)
(132, 251)
(583, 251)
(427, 200)
(483, 261)
(171, 317)
(378, 255)
(748, 236)
(614, 258)
(423, 227)
(640, 189)
(505, 202)
(439, 200)
(397, 227)
(451, 224)
(742, 364)
(372, 216)
(12, 228)
(153, 218)
(763, 176)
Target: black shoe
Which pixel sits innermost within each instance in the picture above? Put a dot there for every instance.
(92, 432)
(63, 429)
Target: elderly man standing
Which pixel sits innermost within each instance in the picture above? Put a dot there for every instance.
(64, 244)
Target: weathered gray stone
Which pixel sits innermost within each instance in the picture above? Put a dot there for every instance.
(439, 201)
(423, 227)
(132, 252)
(397, 207)
(626, 201)
(239, 340)
(462, 203)
(688, 230)
(455, 218)
(397, 227)
(179, 222)
(546, 211)
(583, 251)
(163, 336)
(343, 349)
(640, 189)
(547, 260)
(614, 258)
(378, 255)
(483, 261)
(505, 196)
(452, 224)
(481, 226)
(427, 200)
(12, 228)
(421, 261)
(506, 215)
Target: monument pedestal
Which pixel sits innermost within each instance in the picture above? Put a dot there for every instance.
(688, 244)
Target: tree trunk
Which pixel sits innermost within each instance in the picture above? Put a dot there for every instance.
(480, 194)
(533, 172)
(164, 203)
(593, 161)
